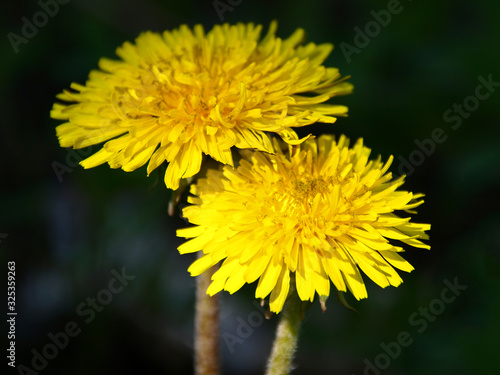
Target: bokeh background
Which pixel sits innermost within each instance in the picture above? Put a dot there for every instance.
(67, 228)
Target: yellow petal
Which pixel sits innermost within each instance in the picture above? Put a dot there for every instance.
(280, 292)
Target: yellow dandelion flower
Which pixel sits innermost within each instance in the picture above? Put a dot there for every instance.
(181, 94)
(321, 211)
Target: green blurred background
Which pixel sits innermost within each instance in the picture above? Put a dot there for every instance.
(68, 233)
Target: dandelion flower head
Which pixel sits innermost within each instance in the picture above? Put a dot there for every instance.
(180, 94)
(320, 212)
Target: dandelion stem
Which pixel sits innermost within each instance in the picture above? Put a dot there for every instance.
(285, 343)
(207, 327)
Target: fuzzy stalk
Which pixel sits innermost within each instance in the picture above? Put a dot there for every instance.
(206, 327)
(285, 343)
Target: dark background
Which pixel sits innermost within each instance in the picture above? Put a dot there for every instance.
(68, 233)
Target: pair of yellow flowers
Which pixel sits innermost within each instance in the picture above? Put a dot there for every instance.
(311, 210)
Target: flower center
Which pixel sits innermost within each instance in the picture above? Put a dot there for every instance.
(306, 189)
(297, 196)
(181, 92)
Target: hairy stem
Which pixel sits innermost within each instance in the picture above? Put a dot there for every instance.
(207, 327)
(285, 343)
